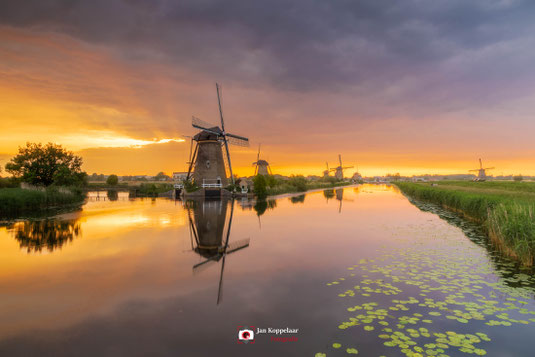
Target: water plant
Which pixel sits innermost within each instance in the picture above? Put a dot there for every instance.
(426, 299)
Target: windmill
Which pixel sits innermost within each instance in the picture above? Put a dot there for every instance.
(481, 172)
(208, 161)
(208, 236)
(261, 166)
(339, 170)
(340, 197)
(326, 172)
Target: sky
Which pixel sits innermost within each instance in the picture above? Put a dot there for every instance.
(408, 86)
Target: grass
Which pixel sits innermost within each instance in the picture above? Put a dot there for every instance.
(17, 201)
(289, 188)
(152, 189)
(505, 209)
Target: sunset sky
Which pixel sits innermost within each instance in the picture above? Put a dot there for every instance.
(402, 86)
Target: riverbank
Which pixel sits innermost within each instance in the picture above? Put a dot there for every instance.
(17, 201)
(506, 210)
(309, 186)
(142, 189)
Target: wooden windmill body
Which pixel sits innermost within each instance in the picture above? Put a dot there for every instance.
(210, 160)
(339, 170)
(481, 172)
(326, 172)
(209, 237)
(261, 166)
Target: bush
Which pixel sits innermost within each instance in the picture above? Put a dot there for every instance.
(151, 189)
(299, 182)
(260, 186)
(112, 180)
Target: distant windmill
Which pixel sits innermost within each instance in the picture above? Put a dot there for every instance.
(339, 171)
(207, 225)
(261, 166)
(326, 172)
(481, 172)
(340, 197)
(207, 161)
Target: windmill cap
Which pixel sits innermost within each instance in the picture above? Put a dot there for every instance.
(262, 162)
(206, 135)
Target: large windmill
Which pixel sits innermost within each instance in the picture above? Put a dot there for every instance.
(261, 166)
(481, 172)
(339, 170)
(208, 236)
(208, 161)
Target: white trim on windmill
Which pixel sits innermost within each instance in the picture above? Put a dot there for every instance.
(207, 161)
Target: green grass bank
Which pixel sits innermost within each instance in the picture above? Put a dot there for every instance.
(290, 188)
(506, 210)
(16, 201)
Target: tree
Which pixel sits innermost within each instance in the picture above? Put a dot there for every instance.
(161, 177)
(48, 164)
(260, 186)
(112, 180)
(518, 178)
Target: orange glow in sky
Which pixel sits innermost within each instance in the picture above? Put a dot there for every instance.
(126, 110)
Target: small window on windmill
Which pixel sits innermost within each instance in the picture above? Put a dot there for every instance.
(207, 164)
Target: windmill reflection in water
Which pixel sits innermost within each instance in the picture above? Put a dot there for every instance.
(210, 234)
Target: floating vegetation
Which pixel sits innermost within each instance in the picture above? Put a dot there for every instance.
(425, 300)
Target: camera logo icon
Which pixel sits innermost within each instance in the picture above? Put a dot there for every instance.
(245, 334)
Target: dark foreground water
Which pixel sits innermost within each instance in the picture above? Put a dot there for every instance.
(353, 271)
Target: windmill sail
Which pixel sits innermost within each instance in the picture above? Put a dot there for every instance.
(209, 162)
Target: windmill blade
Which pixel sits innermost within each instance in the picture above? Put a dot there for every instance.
(201, 124)
(220, 288)
(213, 259)
(489, 168)
(348, 167)
(326, 163)
(340, 159)
(237, 245)
(218, 89)
(237, 140)
(258, 155)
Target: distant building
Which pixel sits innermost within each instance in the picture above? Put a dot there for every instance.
(179, 176)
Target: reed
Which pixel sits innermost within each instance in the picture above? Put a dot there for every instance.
(17, 201)
(505, 209)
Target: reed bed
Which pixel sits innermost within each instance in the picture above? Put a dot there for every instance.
(505, 209)
(17, 201)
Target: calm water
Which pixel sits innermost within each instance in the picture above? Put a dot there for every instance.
(359, 269)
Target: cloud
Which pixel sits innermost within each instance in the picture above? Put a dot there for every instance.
(309, 76)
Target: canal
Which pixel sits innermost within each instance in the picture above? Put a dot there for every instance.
(359, 270)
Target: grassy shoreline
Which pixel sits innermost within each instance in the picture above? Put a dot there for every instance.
(288, 188)
(506, 210)
(18, 201)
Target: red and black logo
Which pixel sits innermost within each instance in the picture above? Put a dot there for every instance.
(245, 334)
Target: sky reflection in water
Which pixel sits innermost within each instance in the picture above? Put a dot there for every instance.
(138, 277)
